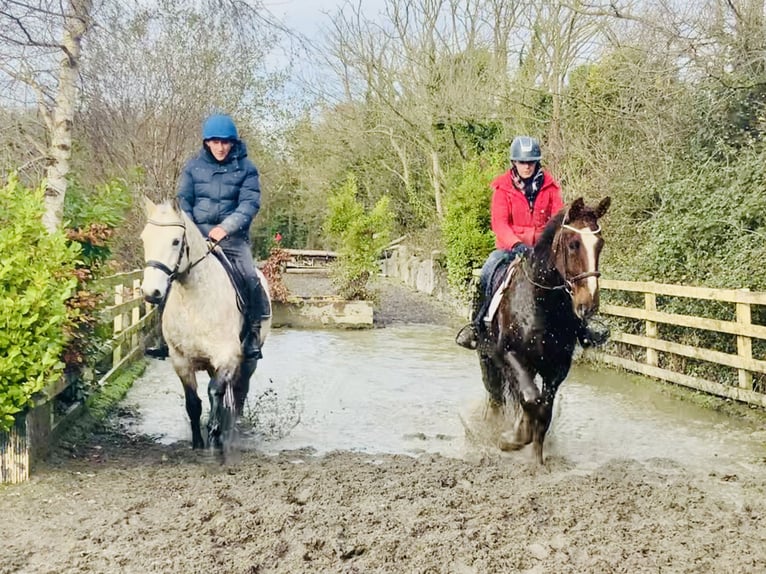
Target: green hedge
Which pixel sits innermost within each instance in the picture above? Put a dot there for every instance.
(466, 231)
(36, 279)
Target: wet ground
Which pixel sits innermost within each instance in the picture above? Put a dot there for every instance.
(370, 452)
(408, 389)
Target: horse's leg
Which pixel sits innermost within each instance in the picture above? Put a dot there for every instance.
(492, 378)
(534, 420)
(220, 392)
(193, 402)
(242, 387)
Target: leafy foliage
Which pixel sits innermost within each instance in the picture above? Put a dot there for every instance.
(360, 237)
(92, 214)
(36, 279)
(466, 230)
(709, 227)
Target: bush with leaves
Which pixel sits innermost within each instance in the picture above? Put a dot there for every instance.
(36, 279)
(467, 234)
(92, 214)
(359, 236)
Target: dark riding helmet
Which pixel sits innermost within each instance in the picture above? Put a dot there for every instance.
(219, 127)
(525, 148)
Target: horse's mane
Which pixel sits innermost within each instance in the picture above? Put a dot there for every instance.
(545, 243)
(197, 243)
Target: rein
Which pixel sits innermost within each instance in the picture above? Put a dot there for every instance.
(175, 273)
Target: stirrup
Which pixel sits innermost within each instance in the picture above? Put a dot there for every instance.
(467, 338)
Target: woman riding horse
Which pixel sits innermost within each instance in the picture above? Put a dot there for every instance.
(535, 318)
(523, 201)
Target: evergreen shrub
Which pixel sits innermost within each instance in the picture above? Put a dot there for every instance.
(359, 236)
(467, 235)
(36, 279)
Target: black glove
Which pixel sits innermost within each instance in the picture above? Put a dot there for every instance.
(594, 334)
(521, 249)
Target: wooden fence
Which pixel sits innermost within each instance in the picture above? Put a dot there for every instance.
(130, 318)
(658, 352)
(309, 260)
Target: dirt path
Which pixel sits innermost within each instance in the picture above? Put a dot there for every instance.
(110, 502)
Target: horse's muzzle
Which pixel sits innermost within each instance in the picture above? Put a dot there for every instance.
(586, 311)
(155, 298)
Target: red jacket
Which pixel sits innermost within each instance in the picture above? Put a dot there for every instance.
(512, 220)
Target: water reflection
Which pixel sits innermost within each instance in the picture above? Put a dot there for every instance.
(410, 389)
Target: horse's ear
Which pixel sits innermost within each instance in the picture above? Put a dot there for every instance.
(574, 210)
(603, 206)
(149, 206)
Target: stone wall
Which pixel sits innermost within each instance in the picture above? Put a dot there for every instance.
(322, 312)
(426, 275)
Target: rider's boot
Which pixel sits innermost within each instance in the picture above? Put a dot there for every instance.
(158, 351)
(251, 345)
(160, 348)
(594, 334)
(468, 336)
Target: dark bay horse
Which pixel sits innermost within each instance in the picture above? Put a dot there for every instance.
(534, 330)
(201, 321)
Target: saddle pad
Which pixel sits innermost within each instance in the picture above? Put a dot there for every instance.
(237, 280)
(498, 294)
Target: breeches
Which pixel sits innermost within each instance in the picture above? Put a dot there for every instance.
(238, 252)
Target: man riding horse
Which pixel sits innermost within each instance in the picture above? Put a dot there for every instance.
(523, 201)
(219, 190)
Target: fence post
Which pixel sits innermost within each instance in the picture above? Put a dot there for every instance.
(650, 304)
(136, 313)
(118, 325)
(744, 345)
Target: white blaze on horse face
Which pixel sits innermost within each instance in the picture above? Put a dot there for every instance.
(590, 242)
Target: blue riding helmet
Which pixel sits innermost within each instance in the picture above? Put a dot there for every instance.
(220, 127)
(525, 148)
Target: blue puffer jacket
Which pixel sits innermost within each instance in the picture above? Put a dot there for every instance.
(226, 194)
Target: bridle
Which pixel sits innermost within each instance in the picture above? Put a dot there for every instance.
(568, 284)
(174, 273)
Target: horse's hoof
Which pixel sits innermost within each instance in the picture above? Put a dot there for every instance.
(509, 446)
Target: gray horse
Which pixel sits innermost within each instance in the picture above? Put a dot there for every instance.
(201, 321)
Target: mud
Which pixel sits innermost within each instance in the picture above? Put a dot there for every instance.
(111, 501)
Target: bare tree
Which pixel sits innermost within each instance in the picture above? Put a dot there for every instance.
(42, 50)
(424, 66)
(152, 74)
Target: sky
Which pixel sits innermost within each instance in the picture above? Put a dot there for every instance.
(308, 16)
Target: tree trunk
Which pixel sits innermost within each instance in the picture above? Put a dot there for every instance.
(436, 180)
(76, 23)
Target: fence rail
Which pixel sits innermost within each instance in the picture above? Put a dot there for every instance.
(648, 316)
(32, 434)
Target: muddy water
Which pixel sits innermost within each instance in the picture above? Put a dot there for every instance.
(409, 389)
